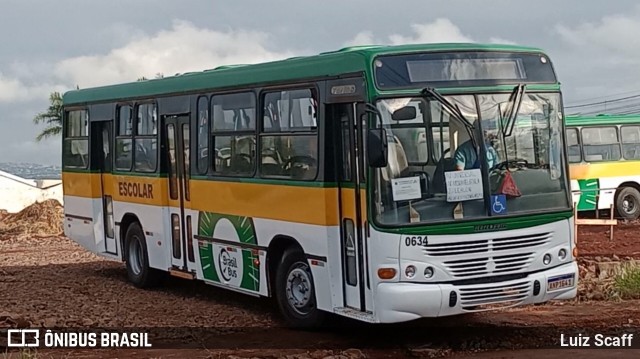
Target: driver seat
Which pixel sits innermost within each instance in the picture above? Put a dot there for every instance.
(446, 164)
(397, 162)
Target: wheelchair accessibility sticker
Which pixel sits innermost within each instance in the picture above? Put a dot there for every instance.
(499, 204)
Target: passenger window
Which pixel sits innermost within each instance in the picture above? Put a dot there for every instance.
(289, 143)
(630, 142)
(124, 140)
(233, 134)
(573, 145)
(76, 142)
(600, 144)
(146, 140)
(203, 135)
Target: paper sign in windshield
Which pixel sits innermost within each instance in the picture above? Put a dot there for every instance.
(406, 188)
(464, 185)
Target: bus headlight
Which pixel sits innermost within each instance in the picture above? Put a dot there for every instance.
(410, 271)
(546, 259)
(428, 272)
(562, 254)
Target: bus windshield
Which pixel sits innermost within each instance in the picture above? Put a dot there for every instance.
(437, 172)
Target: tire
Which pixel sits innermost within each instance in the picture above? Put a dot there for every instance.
(628, 203)
(137, 259)
(294, 269)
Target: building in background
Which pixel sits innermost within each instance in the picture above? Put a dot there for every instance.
(16, 193)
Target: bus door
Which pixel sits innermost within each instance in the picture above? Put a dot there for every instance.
(357, 292)
(177, 131)
(102, 162)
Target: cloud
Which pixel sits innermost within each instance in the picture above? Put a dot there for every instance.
(182, 48)
(614, 36)
(362, 38)
(11, 89)
(440, 30)
(599, 58)
(17, 89)
(499, 40)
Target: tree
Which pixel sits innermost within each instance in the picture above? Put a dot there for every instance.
(159, 75)
(52, 117)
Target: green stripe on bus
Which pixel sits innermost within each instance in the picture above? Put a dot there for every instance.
(485, 225)
(282, 182)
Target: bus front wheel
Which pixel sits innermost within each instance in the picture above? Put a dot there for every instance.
(628, 203)
(295, 292)
(137, 259)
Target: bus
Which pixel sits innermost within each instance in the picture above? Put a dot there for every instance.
(332, 182)
(604, 163)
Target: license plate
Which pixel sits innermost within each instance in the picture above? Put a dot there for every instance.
(563, 281)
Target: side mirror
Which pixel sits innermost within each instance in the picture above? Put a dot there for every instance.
(404, 114)
(377, 147)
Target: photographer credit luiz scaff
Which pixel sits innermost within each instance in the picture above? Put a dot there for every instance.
(598, 340)
(48, 338)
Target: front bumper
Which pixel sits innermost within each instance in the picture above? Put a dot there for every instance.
(399, 302)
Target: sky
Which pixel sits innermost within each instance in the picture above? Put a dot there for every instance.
(57, 45)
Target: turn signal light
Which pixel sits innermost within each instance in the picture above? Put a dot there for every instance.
(575, 252)
(386, 273)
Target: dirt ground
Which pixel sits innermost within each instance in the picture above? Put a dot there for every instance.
(52, 282)
(594, 241)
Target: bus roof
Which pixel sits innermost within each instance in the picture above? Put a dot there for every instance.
(603, 119)
(347, 60)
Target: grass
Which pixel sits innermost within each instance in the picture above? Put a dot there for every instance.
(627, 282)
(22, 354)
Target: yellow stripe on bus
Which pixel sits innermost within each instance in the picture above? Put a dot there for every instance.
(349, 204)
(85, 185)
(133, 189)
(311, 205)
(605, 169)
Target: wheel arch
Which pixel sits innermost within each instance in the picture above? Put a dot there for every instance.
(278, 245)
(127, 220)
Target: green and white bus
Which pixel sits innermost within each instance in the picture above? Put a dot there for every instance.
(604, 157)
(333, 182)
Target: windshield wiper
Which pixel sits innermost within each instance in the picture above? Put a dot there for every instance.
(453, 110)
(518, 95)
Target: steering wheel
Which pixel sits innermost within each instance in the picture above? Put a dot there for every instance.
(308, 160)
(518, 162)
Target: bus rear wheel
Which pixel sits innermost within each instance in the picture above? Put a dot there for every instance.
(137, 259)
(295, 292)
(628, 203)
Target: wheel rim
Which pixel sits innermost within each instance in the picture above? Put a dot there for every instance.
(135, 255)
(629, 204)
(299, 289)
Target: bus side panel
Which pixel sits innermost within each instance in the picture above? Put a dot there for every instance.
(151, 219)
(78, 225)
(595, 184)
(243, 266)
(610, 185)
(314, 240)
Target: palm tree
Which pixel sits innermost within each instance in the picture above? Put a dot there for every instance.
(52, 117)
